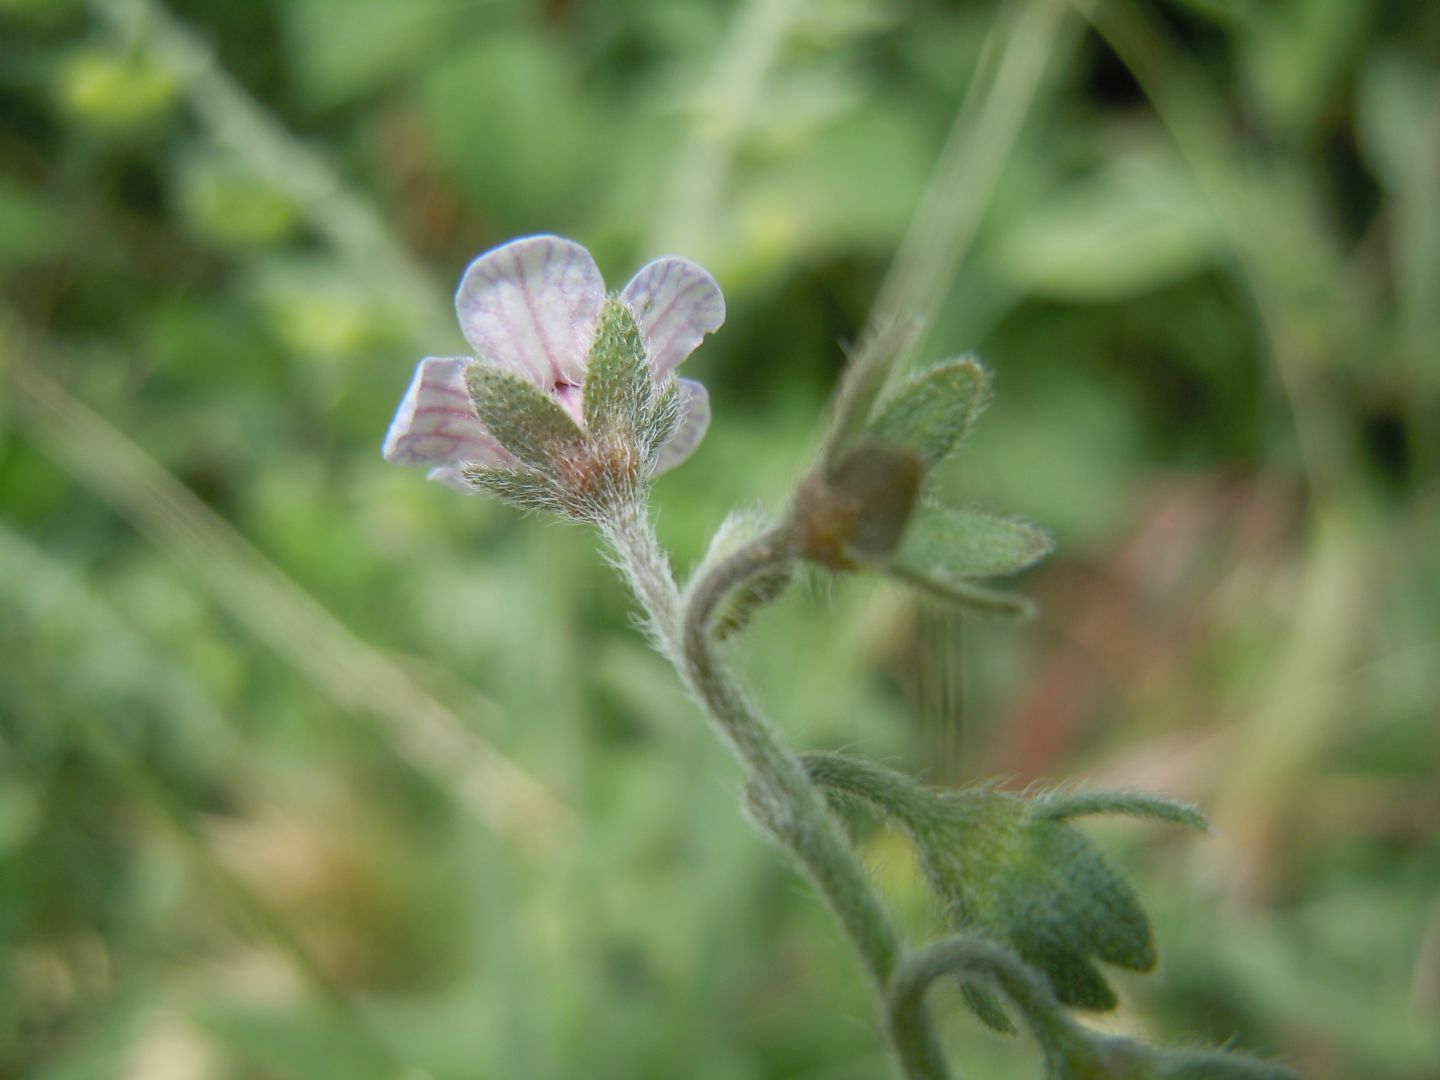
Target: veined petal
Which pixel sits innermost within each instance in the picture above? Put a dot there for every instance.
(436, 423)
(531, 306)
(695, 400)
(676, 303)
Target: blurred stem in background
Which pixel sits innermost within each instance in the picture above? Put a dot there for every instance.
(355, 676)
(237, 122)
(1312, 326)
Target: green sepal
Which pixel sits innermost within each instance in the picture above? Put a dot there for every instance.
(945, 549)
(1012, 869)
(932, 411)
(986, 1005)
(947, 544)
(961, 594)
(526, 420)
(523, 488)
(1072, 1051)
(618, 389)
(863, 381)
(1061, 805)
(662, 420)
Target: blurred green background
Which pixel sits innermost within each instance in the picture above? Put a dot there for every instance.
(311, 769)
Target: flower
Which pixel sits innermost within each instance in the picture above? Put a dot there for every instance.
(532, 308)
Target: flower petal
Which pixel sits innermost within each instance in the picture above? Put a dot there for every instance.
(531, 306)
(676, 303)
(436, 423)
(452, 476)
(695, 400)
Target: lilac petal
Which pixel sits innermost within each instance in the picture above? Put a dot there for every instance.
(436, 422)
(676, 303)
(695, 400)
(531, 307)
(452, 476)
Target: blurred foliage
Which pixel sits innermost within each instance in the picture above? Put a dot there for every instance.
(311, 769)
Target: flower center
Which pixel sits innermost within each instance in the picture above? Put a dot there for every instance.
(569, 396)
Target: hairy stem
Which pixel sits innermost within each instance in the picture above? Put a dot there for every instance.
(966, 953)
(780, 797)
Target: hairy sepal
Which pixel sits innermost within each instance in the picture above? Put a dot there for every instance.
(1011, 868)
(522, 488)
(933, 411)
(950, 544)
(660, 424)
(618, 387)
(525, 420)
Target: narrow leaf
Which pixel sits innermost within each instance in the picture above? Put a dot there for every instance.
(985, 1004)
(933, 411)
(947, 544)
(1062, 805)
(972, 599)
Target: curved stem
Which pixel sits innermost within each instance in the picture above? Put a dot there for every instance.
(1055, 1031)
(781, 797)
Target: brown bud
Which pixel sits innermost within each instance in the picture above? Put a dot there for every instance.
(859, 508)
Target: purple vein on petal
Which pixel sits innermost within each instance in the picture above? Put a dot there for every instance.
(436, 424)
(531, 307)
(675, 303)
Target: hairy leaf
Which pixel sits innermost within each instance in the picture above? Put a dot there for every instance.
(946, 544)
(931, 412)
(961, 594)
(527, 421)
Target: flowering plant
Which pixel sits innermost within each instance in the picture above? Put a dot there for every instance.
(570, 404)
(570, 399)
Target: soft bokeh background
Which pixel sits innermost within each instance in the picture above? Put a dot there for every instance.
(310, 769)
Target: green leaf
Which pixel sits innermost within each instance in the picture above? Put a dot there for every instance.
(1011, 869)
(930, 413)
(527, 421)
(986, 1005)
(947, 544)
(1072, 1051)
(944, 549)
(969, 598)
(863, 381)
(617, 380)
(1058, 806)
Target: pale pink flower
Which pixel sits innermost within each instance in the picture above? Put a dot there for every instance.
(531, 307)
